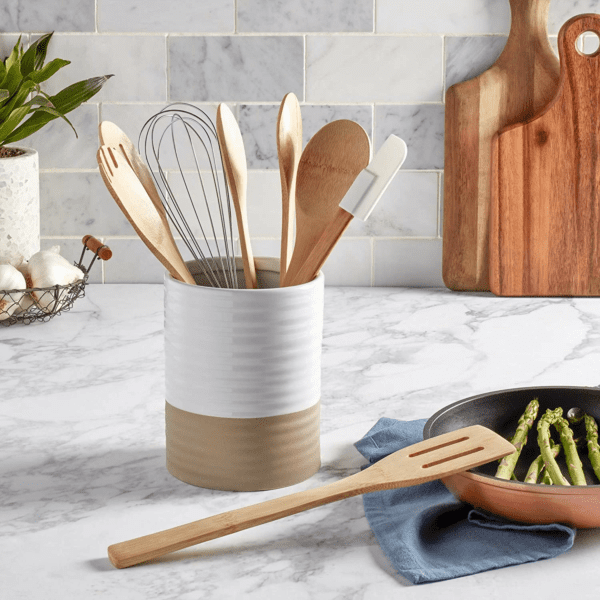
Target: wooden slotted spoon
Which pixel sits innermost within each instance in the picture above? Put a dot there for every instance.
(112, 135)
(331, 161)
(289, 149)
(437, 457)
(236, 171)
(149, 222)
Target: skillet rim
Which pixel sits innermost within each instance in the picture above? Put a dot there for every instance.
(491, 479)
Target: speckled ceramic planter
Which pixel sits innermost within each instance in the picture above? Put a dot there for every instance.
(19, 205)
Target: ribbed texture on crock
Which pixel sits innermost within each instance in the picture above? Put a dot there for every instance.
(243, 454)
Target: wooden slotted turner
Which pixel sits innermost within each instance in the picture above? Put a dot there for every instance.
(431, 459)
(149, 222)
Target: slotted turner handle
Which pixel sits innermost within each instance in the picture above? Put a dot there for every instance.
(431, 459)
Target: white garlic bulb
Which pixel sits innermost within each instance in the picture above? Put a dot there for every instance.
(10, 279)
(47, 268)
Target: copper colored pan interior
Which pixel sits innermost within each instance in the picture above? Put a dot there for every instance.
(578, 506)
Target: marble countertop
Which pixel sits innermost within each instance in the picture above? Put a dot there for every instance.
(83, 459)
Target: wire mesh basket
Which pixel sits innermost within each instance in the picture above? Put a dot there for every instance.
(42, 304)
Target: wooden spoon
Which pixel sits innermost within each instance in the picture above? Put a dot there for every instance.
(431, 459)
(234, 163)
(150, 223)
(289, 149)
(329, 164)
(112, 135)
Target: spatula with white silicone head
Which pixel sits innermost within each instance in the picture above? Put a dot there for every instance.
(359, 201)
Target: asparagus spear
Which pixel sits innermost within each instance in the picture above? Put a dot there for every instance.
(591, 428)
(543, 427)
(546, 478)
(537, 466)
(507, 464)
(572, 457)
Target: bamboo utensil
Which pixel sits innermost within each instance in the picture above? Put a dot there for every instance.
(289, 149)
(359, 201)
(428, 460)
(112, 135)
(521, 82)
(545, 225)
(329, 164)
(147, 219)
(234, 162)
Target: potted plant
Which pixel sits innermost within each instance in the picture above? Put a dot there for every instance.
(24, 109)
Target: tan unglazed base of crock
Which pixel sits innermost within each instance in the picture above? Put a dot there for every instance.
(243, 455)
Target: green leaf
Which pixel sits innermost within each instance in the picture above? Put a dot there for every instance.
(17, 99)
(39, 100)
(65, 101)
(52, 111)
(13, 57)
(13, 79)
(13, 120)
(4, 94)
(46, 72)
(33, 59)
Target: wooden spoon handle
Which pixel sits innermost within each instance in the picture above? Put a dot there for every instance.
(132, 552)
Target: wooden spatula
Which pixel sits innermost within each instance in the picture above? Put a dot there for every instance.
(112, 135)
(289, 149)
(359, 201)
(329, 164)
(431, 459)
(149, 223)
(236, 171)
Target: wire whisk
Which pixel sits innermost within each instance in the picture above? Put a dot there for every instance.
(181, 148)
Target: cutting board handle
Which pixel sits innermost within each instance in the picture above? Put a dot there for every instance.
(529, 17)
(567, 42)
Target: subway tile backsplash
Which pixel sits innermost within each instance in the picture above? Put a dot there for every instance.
(385, 64)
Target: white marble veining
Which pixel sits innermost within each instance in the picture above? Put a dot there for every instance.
(82, 445)
(420, 126)
(48, 15)
(305, 15)
(369, 68)
(441, 16)
(408, 208)
(230, 68)
(75, 202)
(138, 64)
(181, 16)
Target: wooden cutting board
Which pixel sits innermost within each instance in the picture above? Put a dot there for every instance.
(545, 211)
(521, 82)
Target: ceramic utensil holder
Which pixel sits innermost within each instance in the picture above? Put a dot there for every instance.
(243, 379)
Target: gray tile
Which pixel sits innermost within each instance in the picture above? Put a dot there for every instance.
(78, 204)
(349, 264)
(132, 262)
(441, 16)
(138, 63)
(408, 208)
(58, 146)
(71, 249)
(562, 10)
(420, 126)
(258, 124)
(227, 68)
(467, 57)
(374, 68)
(46, 16)
(410, 263)
(190, 16)
(305, 15)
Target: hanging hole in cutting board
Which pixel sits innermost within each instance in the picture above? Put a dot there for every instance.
(588, 43)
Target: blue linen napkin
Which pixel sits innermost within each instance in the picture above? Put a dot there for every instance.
(429, 536)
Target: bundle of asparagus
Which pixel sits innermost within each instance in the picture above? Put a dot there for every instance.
(545, 465)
